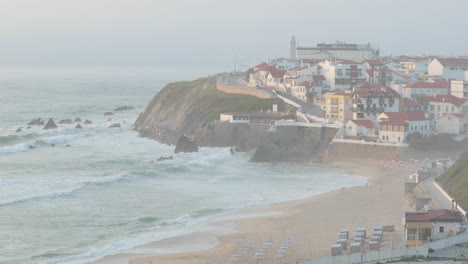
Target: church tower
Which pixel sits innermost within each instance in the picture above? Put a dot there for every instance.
(292, 49)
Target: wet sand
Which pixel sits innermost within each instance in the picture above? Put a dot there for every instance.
(312, 223)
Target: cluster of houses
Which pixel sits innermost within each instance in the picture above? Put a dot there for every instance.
(379, 98)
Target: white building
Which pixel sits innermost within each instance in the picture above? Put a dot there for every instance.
(459, 88)
(368, 103)
(431, 225)
(453, 124)
(450, 68)
(431, 87)
(396, 127)
(343, 74)
(338, 50)
(438, 105)
(358, 128)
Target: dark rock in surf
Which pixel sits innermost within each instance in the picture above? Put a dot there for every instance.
(108, 113)
(114, 125)
(123, 108)
(19, 129)
(65, 121)
(50, 125)
(185, 144)
(36, 122)
(87, 122)
(77, 120)
(78, 126)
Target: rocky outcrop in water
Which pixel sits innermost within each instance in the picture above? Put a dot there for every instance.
(50, 125)
(77, 120)
(78, 126)
(36, 122)
(108, 113)
(65, 121)
(124, 108)
(18, 130)
(87, 122)
(185, 144)
(115, 125)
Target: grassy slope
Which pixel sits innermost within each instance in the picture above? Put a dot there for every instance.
(455, 180)
(217, 102)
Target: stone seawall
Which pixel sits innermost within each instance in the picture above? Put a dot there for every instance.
(294, 144)
(245, 137)
(338, 151)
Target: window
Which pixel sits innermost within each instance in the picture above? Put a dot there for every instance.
(441, 229)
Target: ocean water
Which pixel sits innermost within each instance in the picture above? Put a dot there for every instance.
(105, 193)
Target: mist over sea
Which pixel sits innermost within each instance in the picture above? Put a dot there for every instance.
(104, 194)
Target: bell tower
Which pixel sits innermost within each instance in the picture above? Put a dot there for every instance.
(292, 49)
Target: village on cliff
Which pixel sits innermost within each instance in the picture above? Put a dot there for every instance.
(367, 96)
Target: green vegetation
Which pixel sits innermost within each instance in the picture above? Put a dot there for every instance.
(455, 180)
(213, 102)
(440, 142)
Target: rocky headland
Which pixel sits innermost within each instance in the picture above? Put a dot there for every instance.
(190, 110)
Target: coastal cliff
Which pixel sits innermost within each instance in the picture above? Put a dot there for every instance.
(187, 108)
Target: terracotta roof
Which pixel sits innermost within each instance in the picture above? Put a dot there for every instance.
(306, 84)
(275, 73)
(433, 84)
(370, 73)
(402, 118)
(408, 102)
(261, 65)
(364, 123)
(453, 62)
(375, 92)
(441, 215)
(374, 62)
(445, 98)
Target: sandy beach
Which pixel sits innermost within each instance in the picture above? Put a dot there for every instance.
(312, 223)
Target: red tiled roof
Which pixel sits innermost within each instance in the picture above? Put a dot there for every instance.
(275, 73)
(363, 92)
(374, 62)
(306, 84)
(445, 98)
(408, 102)
(453, 62)
(441, 215)
(261, 65)
(434, 84)
(401, 118)
(370, 73)
(364, 123)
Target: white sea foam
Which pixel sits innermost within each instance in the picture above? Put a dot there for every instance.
(23, 190)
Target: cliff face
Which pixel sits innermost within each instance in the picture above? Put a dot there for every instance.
(294, 143)
(186, 108)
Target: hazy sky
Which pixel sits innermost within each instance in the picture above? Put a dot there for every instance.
(211, 33)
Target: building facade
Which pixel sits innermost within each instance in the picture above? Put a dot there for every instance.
(339, 50)
(338, 106)
(342, 74)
